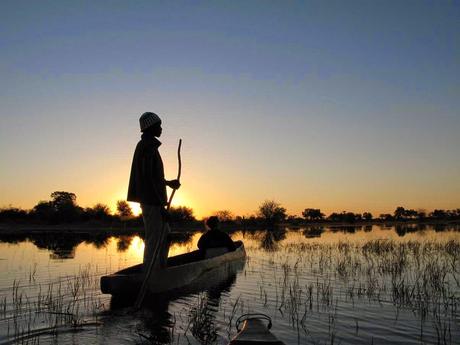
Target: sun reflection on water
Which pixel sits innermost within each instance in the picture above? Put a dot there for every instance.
(137, 247)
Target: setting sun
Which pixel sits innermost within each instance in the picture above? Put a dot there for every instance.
(136, 208)
(178, 200)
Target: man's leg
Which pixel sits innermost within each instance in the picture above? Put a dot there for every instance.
(149, 238)
(156, 231)
(164, 248)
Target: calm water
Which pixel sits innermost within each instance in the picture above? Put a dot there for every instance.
(358, 285)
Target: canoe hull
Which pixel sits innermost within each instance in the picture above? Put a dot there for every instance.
(182, 271)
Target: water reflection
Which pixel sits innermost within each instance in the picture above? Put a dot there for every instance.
(403, 229)
(440, 227)
(268, 242)
(63, 245)
(349, 229)
(123, 243)
(314, 231)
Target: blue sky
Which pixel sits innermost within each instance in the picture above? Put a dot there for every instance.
(315, 104)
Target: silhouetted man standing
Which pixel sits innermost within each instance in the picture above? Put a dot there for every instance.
(147, 186)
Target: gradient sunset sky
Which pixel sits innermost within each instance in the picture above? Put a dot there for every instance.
(327, 104)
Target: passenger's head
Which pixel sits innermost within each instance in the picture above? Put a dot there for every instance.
(213, 223)
(150, 123)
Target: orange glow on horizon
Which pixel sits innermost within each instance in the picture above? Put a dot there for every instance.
(178, 200)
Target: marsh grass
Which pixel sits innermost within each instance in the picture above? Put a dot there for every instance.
(201, 321)
(317, 278)
(309, 283)
(67, 304)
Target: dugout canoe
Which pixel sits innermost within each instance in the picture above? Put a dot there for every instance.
(182, 271)
(254, 332)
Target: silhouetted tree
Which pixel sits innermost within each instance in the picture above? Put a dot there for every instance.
(411, 214)
(272, 212)
(335, 217)
(399, 213)
(367, 216)
(421, 214)
(439, 214)
(312, 214)
(386, 216)
(65, 206)
(98, 212)
(347, 217)
(123, 209)
(456, 213)
(13, 214)
(181, 214)
(251, 220)
(63, 199)
(44, 210)
(224, 215)
(295, 220)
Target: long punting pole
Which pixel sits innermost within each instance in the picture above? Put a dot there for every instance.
(143, 290)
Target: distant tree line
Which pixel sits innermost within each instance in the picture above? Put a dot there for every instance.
(271, 213)
(63, 208)
(400, 214)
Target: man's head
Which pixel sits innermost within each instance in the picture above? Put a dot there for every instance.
(150, 122)
(213, 223)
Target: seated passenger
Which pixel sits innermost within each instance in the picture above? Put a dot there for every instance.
(215, 238)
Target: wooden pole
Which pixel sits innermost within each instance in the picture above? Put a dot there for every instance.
(179, 171)
(143, 290)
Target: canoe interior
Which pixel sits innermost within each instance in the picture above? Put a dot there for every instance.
(177, 260)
